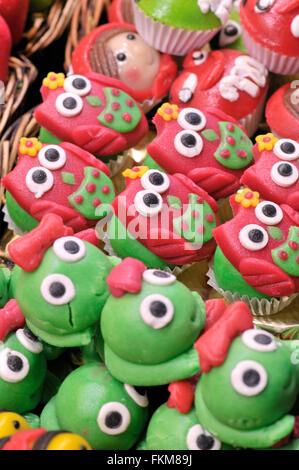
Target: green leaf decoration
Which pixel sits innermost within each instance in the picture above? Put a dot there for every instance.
(275, 233)
(210, 135)
(94, 101)
(67, 177)
(174, 202)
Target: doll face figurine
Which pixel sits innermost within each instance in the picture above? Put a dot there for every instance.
(53, 289)
(276, 170)
(22, 371)
(161, 332)
(93, 404)
(249, 383)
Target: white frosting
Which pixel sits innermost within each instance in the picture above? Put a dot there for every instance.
(147, 184)
(114, 407)
(38, 189)
(221, 8)
(69, 87)
(141, 400)
(237, 378)
(194, 433)
(295, 27)
(295, 96)
(247, 75)
(264, 218)
(52, 165)
(66, 111)
(188, 152)
(199, 57)
(248, 338)
(156, 322)
(224, 38)
(189, 87)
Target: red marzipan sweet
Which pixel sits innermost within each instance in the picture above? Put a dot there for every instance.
(126, 277)
(15, 13)
(280, 118)
(6, 43)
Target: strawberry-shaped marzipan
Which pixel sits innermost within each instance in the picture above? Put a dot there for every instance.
(204, 144)
(271, 33)
(258, 250)
(91, 111)
(162, 219)
(276, 170)
(118, 51)
(61, 179)
(226, 79)
(282, 111)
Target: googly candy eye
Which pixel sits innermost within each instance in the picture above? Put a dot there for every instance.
(69, 249)
(295, 26)
(253, 237)
(155, 180)
(138, 394)
(77, 84)
(57, 289)
(188, 143)
(249, 378)
(148, 203)
(52, 157)
(268, 213)
(284, 174)
(156, 311)
(199, 57)
(158, 277)
(192, 118)
(200, 439)
(39, 180)
(114, 418)
(230, 33)
(69, 104)
(286, 149)
(259, 340)
(29, 340)
(263, 5)
(14, 366)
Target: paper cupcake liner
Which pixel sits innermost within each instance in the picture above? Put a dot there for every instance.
(252, 121)
(260, 307)
(11, 225)
(277, 63)
(175, 41)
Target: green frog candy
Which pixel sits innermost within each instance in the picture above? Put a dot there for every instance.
(93, 404)
(61, 287)
(149, 325)
(249, 382)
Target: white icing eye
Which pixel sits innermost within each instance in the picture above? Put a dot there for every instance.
(188, 143)
(199, 57)
(230, 33)
(14, 366)
(69, 249)
(287, 149)
(114, 418)
(138, 394)
(156, 311)
(263, 5)
(39, 180)
(249, 378)
(155, 180)
(284, 174)
(69, 104)
(259, 340)
(193, 119)
(77, 84)
(295, 27)
(52, 157)
(148, 203)
(57, 289)
(158, 277)
(29, 340)
(253, 237)
(200, 439)
(268, 213)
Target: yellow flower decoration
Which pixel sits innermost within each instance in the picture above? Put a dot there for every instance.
(54, 80)
(168, 111)
(29, 146)
(247, 197)
(136, 172)
(266, 142)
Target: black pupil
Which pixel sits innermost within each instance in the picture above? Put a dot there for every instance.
(52, 155)
(251, 377)
(288, 147)
(150, 200)
(156, 179)
(121, 56)
(231, 30)
(269, 210)
(140, 391)
(198, 56)
(256, 235)
(160, 274)
(204, 442)
(285, 169)
(71, 247)
(39, 176)
(30, 335)
(79, 83)
(188, 140)
(113, 419)
(57, 289)
(158, 309)
(16, 424)
(69, 103)
(262, 5)
(193, 118)
(263, 339)
(131, 37)
(14, 363)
